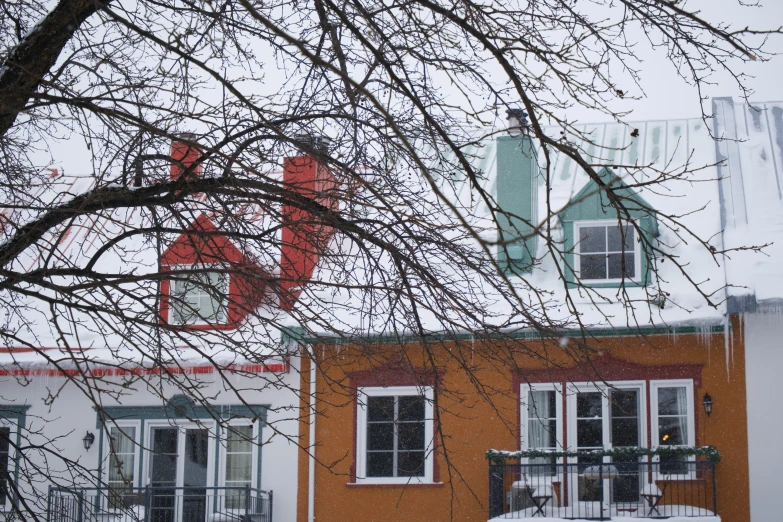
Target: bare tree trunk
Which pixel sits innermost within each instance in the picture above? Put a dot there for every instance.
(36, 54)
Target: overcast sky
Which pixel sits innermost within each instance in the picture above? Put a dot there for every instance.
(668, 96)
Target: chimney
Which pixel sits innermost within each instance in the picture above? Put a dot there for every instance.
(184, 154)
(517, 121)
(304, 238)
(319, 142)
(517, 194)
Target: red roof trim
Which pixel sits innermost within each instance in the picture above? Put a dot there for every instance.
(175, 370)
(26, 349)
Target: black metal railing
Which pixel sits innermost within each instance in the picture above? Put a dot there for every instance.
(602, 488)
(159, 504)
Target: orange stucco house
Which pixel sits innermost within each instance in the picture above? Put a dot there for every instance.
(643, 413)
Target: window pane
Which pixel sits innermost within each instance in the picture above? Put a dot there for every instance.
(410, 436)
(122, 439)
(239, 467)
(672, 401)
(621, 266)
(625, 432)
(621, 238)
(592, 239)
(589, 434)
(411, 408)
(200, 299)
(380, 409)
(380, 436)
(625, 403)
(542, 434)
(239, 439)
(672, 431)
(410, 464)
(592, 267)
(541, 404)
(380, 464)
(589, 405)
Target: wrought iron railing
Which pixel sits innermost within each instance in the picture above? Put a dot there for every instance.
(595, 487)
(159, 504)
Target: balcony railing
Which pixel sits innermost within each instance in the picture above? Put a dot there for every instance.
(599, 487)
(159, 504)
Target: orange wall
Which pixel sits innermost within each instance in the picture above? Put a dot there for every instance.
(482, 413)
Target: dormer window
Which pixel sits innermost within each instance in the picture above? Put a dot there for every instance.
(607, 251)
(199, 298)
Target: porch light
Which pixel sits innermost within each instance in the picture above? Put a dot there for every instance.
(88, 440)
(707, 402)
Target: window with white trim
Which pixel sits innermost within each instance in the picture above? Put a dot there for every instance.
(673, 420)
(200, 298)
(542, 422)
(606, 251)
(122, 452)
(239, 462)
(394, 435)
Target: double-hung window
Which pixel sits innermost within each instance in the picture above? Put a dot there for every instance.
(607, 251)
(123, 459)
(199, 298)
(395, 435)
(239, 463)
(673, 425)
(542, 426)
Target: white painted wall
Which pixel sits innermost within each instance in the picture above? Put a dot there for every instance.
(764, 372)
(70, 415)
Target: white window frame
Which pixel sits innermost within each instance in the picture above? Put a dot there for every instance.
(121, 424)
(361, 433)
(223, 458)
(151, 424)
(524, 395)
(13, 434)
(180, 279)
(602, 388)
(107, 447)
(637, 250)
(655, 434)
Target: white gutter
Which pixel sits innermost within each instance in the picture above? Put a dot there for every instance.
(311, 442)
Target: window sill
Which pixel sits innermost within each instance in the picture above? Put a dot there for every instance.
(393, 484)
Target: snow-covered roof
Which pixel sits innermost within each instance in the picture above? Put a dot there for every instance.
(751, 148)
(736, 203)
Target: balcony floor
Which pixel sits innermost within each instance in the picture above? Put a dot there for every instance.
(668, 513)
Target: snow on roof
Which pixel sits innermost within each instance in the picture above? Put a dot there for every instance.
(752, 195)
(674, 145)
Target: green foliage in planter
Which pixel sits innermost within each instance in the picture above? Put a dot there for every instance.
(665, 452)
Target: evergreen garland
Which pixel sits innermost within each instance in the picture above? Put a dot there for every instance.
(668, 452)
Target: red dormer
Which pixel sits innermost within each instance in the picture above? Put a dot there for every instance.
(218, 285)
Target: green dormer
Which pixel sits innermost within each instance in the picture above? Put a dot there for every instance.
(602, 246)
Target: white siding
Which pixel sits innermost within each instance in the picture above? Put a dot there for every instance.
(764, 363)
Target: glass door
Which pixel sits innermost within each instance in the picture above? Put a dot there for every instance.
(590, 436)
(179, 465)
(602, 419)
(626, 433)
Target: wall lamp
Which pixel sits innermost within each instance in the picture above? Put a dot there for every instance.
(707, 402)
(88, 440)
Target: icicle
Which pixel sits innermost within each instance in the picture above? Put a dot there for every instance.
(727, 340)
